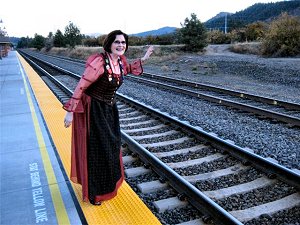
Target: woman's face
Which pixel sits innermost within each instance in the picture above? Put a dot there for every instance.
(118, 47)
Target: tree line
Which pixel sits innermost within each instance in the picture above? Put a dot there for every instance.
(256, 12)
(280, 37)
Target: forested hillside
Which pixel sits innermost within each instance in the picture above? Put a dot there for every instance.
(258, 12)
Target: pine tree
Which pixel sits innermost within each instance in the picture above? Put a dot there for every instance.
(72, 35)
(193, 34)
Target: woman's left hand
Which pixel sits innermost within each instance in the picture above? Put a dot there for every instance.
(68, 119)
(148, 53)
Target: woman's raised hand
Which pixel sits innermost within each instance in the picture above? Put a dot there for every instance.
(148, 53)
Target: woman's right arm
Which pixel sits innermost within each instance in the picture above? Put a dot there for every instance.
(93, 70)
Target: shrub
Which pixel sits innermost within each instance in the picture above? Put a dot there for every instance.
(238, 35)
(218, 37)
(255, 31)
(283, 37)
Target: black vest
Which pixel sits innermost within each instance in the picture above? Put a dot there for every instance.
(104, 90)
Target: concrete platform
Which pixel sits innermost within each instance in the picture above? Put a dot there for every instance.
(34, 188)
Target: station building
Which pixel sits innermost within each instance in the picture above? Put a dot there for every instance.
(5, 46)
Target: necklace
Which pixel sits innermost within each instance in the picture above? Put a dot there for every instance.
(114, 62)
(118, 78)
(116, 67)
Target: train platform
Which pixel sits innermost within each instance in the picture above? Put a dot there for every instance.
(35, 159)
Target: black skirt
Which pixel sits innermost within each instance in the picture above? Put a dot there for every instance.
(103, 150)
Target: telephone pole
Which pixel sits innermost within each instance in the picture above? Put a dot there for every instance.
(225, 30)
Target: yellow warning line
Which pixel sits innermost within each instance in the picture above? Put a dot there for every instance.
(126, 208)
(61, 213)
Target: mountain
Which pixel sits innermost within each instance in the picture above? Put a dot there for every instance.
(93, 35)
(219, 15)
(258, 12)
(160, 31)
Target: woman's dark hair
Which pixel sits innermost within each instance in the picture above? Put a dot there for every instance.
(111, 37)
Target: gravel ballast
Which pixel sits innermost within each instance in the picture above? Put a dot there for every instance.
(276, 78)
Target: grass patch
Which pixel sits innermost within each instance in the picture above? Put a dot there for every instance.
(160, 54)
(246, 48)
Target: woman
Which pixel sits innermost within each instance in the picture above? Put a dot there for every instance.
(96, 159)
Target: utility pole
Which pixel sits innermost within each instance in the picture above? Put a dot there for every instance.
(225, 30)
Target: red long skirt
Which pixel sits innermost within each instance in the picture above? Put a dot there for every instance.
(96, 159)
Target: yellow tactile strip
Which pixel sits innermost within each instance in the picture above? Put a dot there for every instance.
(59, 206)
(126, 207)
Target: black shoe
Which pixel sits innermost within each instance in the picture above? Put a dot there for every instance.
(92, 201)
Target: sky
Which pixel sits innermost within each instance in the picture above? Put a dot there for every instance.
(22, 18)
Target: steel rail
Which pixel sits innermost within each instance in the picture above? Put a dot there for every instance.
(252, 109)
(182, 186)
(263, 164)
(270, 101)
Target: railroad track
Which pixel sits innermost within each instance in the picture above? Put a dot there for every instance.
(181, 170)
(265, 108)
